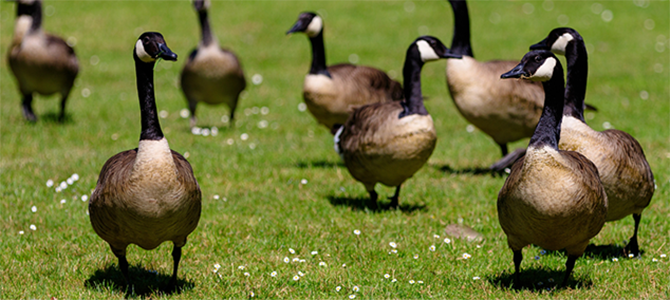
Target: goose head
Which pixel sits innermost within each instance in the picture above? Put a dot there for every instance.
(428, 48)
(27, 7)
(309, 23)
(557, 41)
(151, 46)
(536, 65)
(201, 5)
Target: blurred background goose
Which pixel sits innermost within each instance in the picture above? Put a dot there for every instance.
(211, 74)
(41, 63)
(623, 167)
(147, 195)
(388, 142)
(332, 93)
(552, 198)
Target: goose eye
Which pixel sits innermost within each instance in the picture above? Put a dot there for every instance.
(538, 58)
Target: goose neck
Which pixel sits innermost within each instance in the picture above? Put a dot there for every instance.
(205, 29)
(318, 55)
(575, 88)
(548, 130)
(460, 43)
(151, 129)
(413, 103)
(34, 11)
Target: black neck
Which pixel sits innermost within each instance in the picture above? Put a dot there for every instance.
(205, 30)
(33, 10)
(318, 56)
(151, 128)
(575, 87)
(413, 103)
(460, 43)
(548, 130)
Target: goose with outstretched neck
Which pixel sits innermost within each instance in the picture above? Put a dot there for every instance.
(148, 195)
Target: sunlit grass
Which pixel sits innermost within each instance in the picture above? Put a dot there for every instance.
(282, 186)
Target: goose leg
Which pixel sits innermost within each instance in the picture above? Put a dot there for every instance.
(569, 265)
(373, 198)
(176, 256)
(28, 107)
(123, 262)
(232, 112)
(633, 246)
(191, 107)
(503, 148)
(394, 199)
(63, 100)
(518, 257)
(508, 160)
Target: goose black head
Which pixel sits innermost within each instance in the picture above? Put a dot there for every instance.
(27, 7)
(201, 5)
(430, 48)
(151, 46)
(309, 23)
(557, 40)
(536, 65)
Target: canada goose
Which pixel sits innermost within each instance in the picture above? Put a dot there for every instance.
(506, 110)
(388, 142)
(624, 170)
(332, 93)
(147, 195)
(42, 63)
(212, 74)
(552, 198)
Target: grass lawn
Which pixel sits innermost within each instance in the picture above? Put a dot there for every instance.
(273, 188)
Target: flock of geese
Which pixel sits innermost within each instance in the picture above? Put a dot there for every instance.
(561, 189)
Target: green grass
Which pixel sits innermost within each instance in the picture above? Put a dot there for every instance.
(263, 208)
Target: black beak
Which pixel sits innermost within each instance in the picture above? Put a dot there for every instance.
(166, 53)
(517, 72)
(540, 46)
(297, 27)
(448, 54)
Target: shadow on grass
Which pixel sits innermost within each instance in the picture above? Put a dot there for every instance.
(539, 280)
(602, 252)
(52, 118)
(319, 164)
(144, 283)
(364, 203)
(470, 171)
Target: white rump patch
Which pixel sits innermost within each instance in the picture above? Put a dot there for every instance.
(561, 43)
(545, 71)
(314, 27)
(427, 52)
(141, 53)
(336, 140)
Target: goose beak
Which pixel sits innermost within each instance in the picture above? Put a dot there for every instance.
(297, 27)
(517, 72)
(166, 53)
(540, 46)
(448, 54)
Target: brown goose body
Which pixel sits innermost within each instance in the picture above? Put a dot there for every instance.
(552, 199)
(145, 197)
(506, 110)
(379, 147)
(623, 168)
(211, 75)
(41, 63)
(332, 100)
(332, 93)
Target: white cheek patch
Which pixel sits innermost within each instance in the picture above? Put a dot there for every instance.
(22, 25)
(314, 27)
(427, 52)
(207, 4)
(141, 53)
(561, 43)
(27, 2)
(545, 71)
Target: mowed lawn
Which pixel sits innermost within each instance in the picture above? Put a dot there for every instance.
(282, 217)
